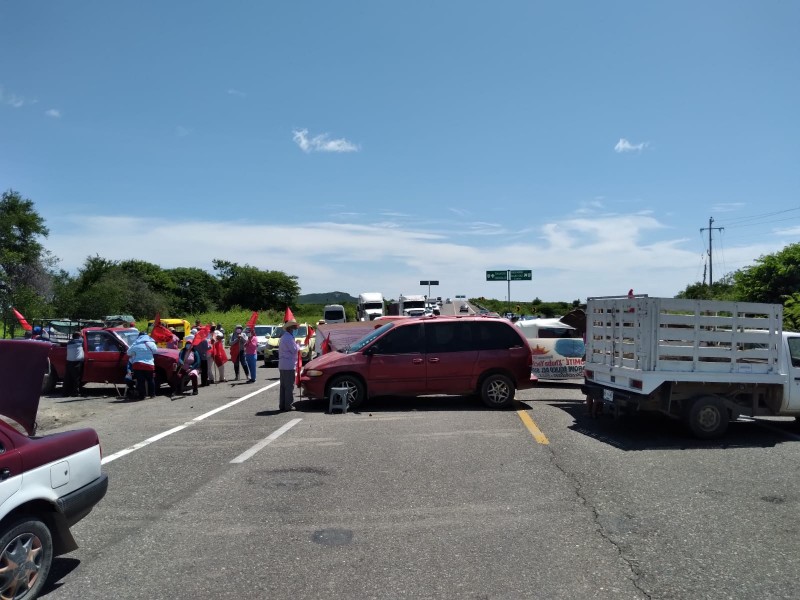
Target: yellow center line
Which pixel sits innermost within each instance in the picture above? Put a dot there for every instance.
(535, 431)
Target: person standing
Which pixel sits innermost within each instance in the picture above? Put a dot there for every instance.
(237, 342)
(141, 355)
(287, 363)
(250, 351)
(74, 368)
(220, 357)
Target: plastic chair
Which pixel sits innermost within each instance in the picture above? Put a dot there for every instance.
(338, 399)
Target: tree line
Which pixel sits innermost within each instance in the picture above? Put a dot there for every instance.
(31, 281)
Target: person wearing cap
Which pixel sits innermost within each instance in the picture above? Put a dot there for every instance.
(219, 354)
(237, 342)
(287, 363)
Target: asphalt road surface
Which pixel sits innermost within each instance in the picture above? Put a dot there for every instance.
(426, 498)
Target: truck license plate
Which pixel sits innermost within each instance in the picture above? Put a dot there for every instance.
(608, 395)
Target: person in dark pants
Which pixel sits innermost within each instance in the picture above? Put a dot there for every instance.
(141, 355)
(237, 342)
(287, 363)
(202, 348)
(74, 367)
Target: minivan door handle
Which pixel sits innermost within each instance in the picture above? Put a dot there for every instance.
(417, 361)
(434, 360)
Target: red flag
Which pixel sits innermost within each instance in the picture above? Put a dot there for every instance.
(326, 344)
(201, 335)
(25, 325)
(288, 315)
(161, 334)
(157, 321)
(310, 333)
(252, 322)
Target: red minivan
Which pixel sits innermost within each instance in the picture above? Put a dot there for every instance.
(437, 355)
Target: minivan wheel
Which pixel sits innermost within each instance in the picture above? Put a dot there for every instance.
(355, 389)
(497, 391)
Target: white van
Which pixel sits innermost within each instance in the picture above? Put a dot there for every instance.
(558, 351)
(334, 313)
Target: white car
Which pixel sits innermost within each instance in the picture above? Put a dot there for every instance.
(263, 333)
(47, 483)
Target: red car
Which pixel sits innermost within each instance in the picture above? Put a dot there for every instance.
(436, 355)
(47, 483)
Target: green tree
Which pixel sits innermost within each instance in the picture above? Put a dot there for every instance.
(250, 287)
(195, 291)
(773, 278)
(24, 263)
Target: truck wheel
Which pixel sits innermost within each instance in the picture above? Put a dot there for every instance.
(356, 394)
(49, 380)
(497, 391)
(707, 417)
(26, 553)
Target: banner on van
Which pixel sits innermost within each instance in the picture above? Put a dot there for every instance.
(557, 358)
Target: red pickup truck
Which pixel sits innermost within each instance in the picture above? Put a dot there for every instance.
(105, 351)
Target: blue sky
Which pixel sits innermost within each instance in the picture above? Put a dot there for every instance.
(364, 146)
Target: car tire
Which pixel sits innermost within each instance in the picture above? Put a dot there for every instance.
(356, 393)
(26, 554)
(497, 391)
(49, 380)
(707, 417)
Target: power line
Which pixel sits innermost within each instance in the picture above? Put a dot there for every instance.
(734, 222)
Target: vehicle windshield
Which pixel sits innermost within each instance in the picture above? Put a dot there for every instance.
(373, 305)
(264, 330)
(300, 332)
(128, 336)
(367, 339)
(414, 304)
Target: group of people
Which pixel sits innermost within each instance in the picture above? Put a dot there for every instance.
(200, 363)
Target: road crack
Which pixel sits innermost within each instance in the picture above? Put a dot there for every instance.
(636, 573)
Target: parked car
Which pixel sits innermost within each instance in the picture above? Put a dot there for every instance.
(302, 338)
(263, 333)
(106, 359)
(415, 357)
(47, 483)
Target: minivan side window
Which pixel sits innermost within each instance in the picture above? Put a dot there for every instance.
(458, 336)
(497, 336)
(401, 340)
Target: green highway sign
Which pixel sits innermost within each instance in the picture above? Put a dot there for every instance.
(497, 275)
(521, 276)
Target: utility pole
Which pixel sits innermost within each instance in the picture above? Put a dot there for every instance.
(710, 254)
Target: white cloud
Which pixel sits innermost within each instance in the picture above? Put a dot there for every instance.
(727, 206)
(12, 100)
(624, 145)
(238, 93)
(54, 113)
(321, 142)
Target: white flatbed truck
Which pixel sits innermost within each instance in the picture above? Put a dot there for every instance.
(702, 361)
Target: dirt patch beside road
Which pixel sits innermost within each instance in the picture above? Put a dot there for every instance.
(57, 412)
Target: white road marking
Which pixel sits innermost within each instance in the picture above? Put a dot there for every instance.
(155, 438)
(266, 441)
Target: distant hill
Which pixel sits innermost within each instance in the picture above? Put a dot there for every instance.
(326, 298)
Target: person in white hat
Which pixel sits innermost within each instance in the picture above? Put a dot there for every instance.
(287, 363)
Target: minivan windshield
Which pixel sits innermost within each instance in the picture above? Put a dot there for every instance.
(367, 339)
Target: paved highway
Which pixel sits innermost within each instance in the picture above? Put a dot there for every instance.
(427, 498)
